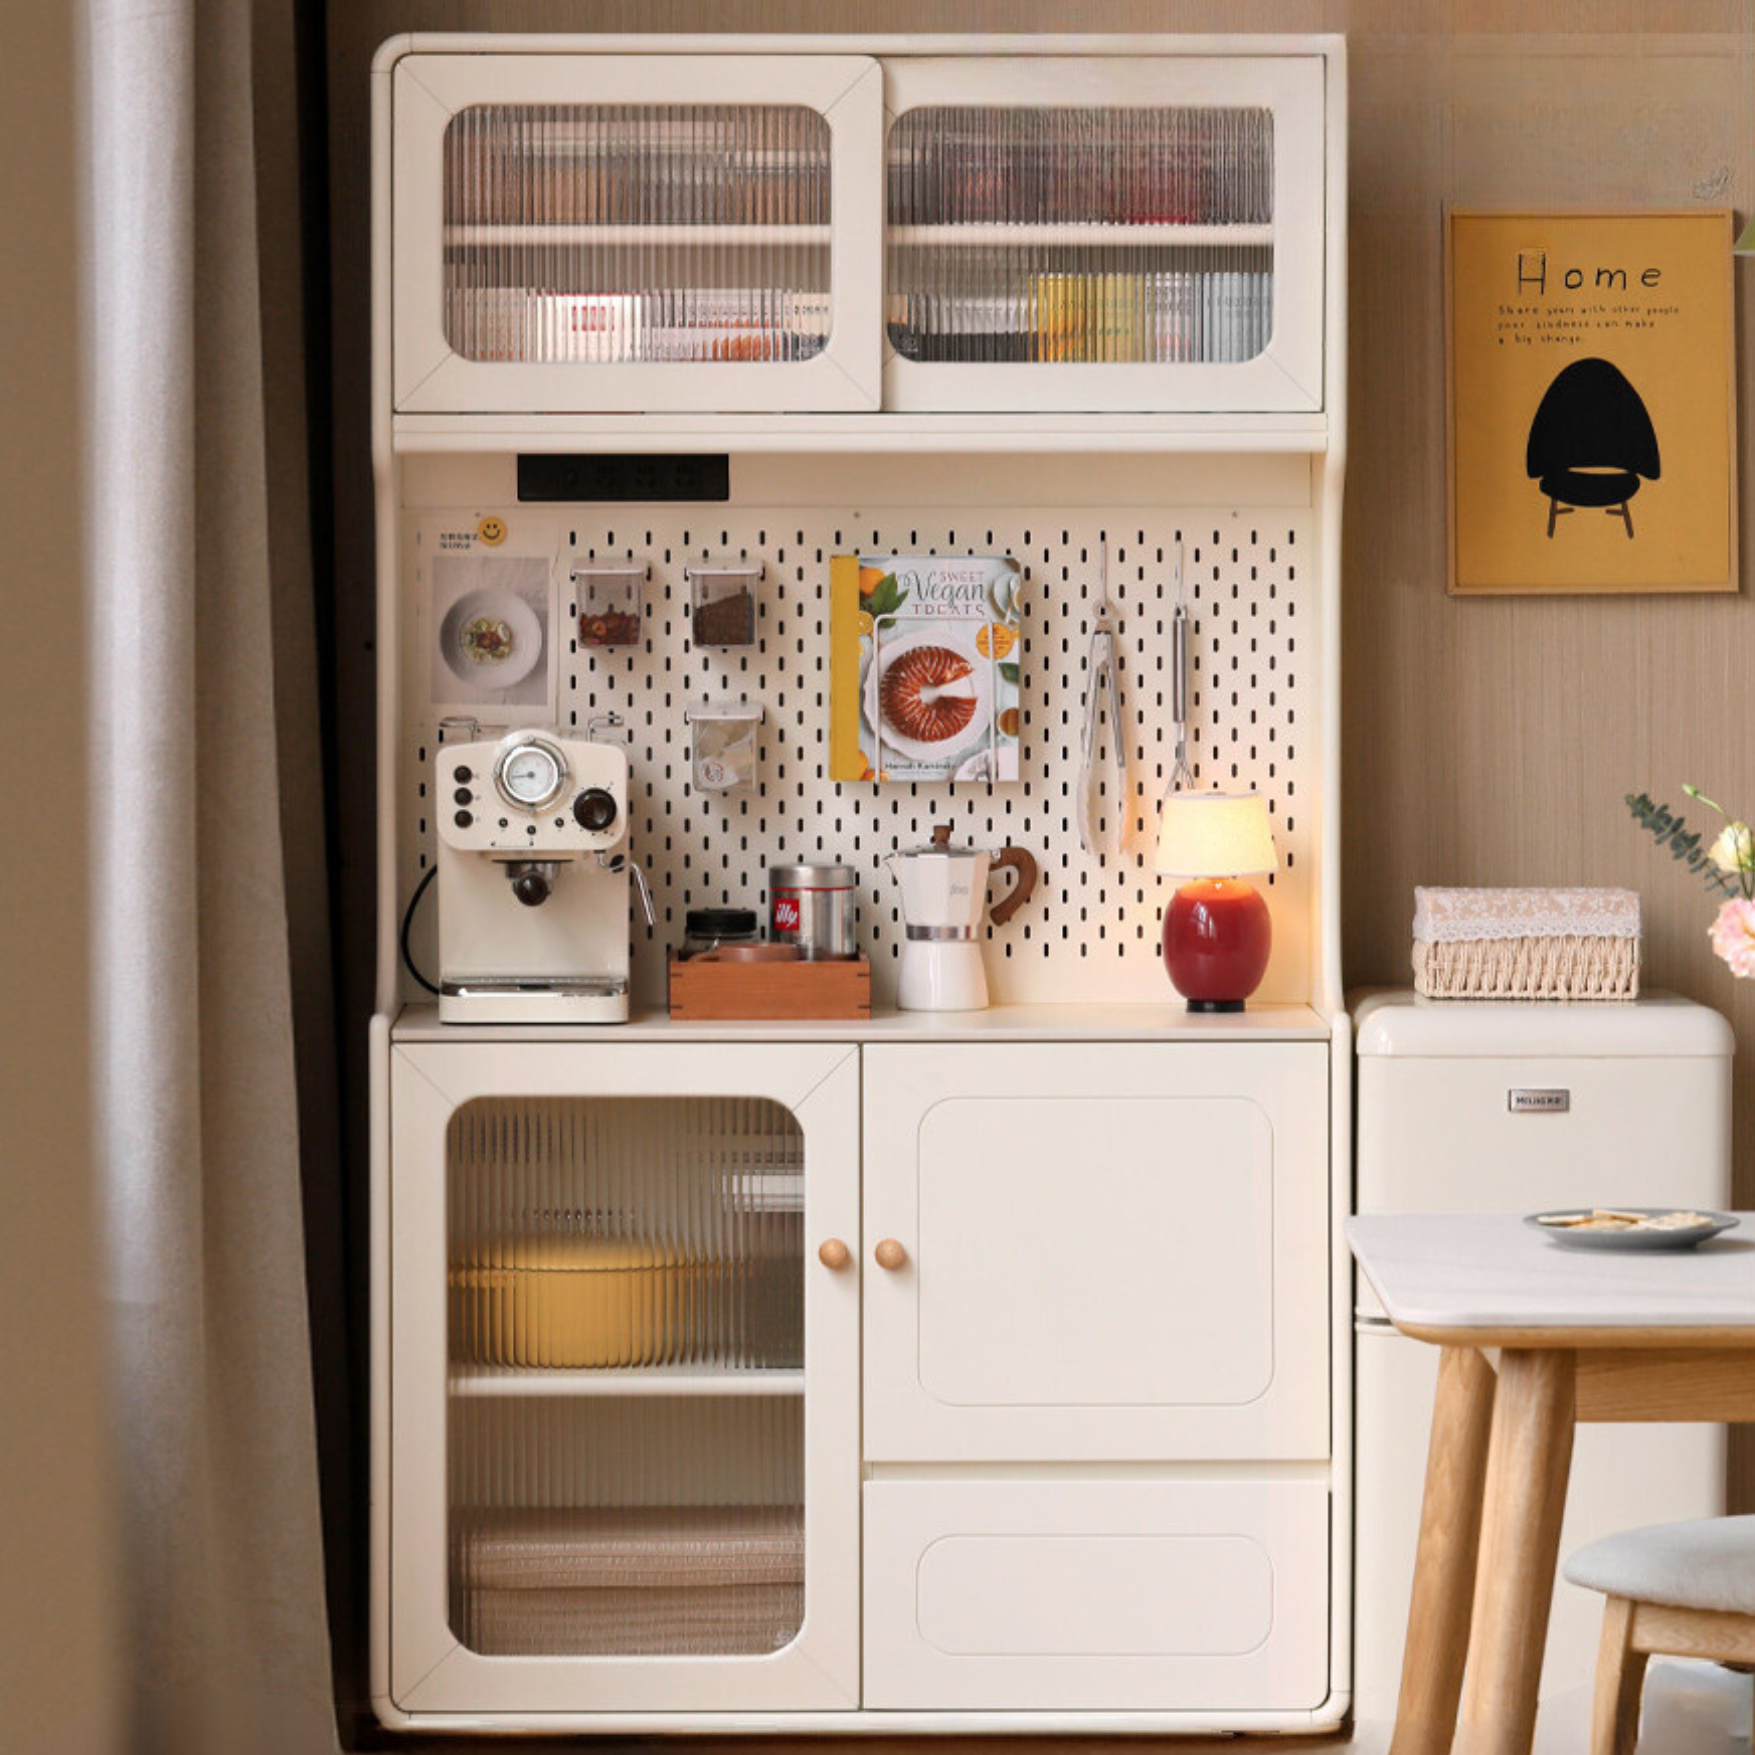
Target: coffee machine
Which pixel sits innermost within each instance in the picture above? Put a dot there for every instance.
(533, 880)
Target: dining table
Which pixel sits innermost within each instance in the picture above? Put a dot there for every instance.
(1535, 1334)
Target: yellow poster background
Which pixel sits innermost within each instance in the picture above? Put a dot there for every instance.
(1528, 295)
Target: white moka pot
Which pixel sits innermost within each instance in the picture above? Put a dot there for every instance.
(944, 894)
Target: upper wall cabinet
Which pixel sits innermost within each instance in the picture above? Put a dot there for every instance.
(1096, 234)
(633, 233)
(782, 233)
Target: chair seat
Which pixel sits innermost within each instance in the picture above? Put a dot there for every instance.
(1589, 487)
(1706, 1564)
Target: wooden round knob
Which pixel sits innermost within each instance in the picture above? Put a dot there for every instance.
(834, 1254)
(890, 1254)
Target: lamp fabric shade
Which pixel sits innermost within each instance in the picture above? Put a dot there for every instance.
(1215, 834)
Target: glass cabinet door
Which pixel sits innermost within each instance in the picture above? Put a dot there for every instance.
(623, 233)
(624, 1434)
(1104, 234)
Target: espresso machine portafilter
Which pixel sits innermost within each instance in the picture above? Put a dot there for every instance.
(533, 881)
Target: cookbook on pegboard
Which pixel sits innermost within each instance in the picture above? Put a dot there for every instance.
(925, 681)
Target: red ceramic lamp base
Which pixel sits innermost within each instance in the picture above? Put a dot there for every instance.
(1217, 936)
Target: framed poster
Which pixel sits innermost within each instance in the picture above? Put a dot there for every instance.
(1592, 401)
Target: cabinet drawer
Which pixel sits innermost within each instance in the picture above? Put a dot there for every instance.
(1110, 1252)
(1143, 1595)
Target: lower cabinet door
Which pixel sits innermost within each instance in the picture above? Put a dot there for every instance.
(1097, 1252)
(623, 1390)
(1195, 1596)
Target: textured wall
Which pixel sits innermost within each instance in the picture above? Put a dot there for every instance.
(58, 1529)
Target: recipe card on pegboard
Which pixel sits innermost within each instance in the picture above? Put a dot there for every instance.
(1592, 402)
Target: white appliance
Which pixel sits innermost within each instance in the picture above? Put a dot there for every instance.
(533, 882)
(944, 894)
(1479, 1106)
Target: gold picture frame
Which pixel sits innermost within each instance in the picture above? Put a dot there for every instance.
(1590, 367)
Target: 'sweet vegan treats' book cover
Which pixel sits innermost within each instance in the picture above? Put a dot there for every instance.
(924, 658)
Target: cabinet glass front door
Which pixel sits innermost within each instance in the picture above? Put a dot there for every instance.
(623, 233)
(631, 1389)
(611, 1236)
(604, 234)
(1085, 234)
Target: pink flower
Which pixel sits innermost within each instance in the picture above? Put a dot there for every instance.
(1733, 936)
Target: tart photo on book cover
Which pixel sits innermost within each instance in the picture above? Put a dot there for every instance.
(925, 667)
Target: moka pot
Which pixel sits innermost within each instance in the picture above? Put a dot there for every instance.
(944, 895)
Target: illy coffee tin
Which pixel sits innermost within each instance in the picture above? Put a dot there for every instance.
(811, 906)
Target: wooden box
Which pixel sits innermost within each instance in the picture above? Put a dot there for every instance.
(701, 992)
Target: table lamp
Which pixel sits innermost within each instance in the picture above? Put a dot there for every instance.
(1217, 930)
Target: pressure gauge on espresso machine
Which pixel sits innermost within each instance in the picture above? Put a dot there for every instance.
(531, 774)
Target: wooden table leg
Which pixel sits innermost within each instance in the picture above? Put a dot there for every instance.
(1444, 1572)
(1527, 1465)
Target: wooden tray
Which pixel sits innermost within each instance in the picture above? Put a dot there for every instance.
(704, 991)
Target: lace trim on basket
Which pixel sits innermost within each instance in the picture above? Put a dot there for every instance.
(1450, 916)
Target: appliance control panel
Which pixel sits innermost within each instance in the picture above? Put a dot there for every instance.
(531, 794)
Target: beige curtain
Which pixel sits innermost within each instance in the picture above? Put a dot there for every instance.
(203, 691)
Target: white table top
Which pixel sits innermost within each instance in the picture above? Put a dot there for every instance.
(1487, 1271)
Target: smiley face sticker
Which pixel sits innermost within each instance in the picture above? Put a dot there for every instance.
(491, 532)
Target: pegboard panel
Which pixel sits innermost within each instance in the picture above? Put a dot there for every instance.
(1091, 931)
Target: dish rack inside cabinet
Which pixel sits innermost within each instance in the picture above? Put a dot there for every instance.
(1091, 931)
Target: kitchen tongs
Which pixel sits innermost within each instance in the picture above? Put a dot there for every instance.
(1181, 775)
(1102, 807)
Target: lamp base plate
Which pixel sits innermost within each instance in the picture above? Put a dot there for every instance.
(1215, 1005)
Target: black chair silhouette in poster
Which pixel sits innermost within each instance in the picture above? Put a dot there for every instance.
(1591, 442)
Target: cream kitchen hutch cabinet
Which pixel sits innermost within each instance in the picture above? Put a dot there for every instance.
(970, 1372)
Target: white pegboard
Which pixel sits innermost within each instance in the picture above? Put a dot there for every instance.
(1090, 933)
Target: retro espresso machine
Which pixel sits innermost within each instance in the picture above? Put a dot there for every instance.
(533, 881)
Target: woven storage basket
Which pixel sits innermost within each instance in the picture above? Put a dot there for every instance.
(1528, 968)
(1553, 943)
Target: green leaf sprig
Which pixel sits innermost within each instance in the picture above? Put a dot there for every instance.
(1672, 833)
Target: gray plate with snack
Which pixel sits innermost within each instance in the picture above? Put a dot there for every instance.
(1630, 1227)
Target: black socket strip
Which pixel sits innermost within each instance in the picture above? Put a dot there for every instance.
(622, 477)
